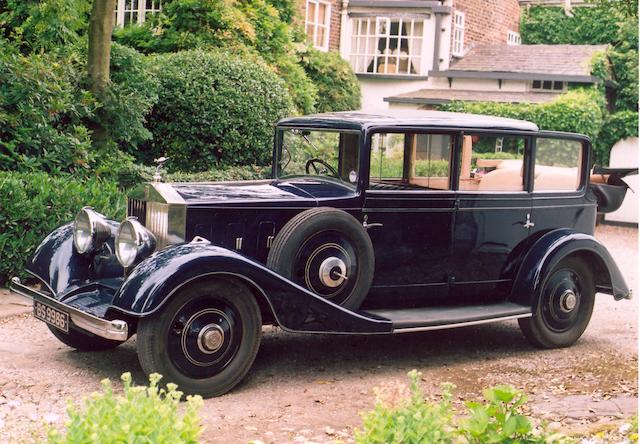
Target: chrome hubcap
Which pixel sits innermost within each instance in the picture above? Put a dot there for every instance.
(210, 338)
(568, 301)
(332, 272)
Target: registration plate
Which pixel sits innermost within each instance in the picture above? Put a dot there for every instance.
(51, 316)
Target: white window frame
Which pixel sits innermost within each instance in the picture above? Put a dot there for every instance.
(513, 38)
(368, 32)
(138, 7)
(314, 23)
(457, 35)
(541, 88)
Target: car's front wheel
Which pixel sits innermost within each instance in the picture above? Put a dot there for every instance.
(564, 308)
(205, 339)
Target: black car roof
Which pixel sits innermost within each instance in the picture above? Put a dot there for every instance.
(403, 118)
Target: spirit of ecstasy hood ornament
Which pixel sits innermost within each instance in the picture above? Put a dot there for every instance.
(157, 176)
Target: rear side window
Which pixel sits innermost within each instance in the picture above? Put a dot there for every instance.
(492, 163)
(557, 165)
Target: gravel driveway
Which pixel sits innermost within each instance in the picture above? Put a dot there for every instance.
(312, 387)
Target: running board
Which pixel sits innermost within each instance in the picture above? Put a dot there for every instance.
(439, 318)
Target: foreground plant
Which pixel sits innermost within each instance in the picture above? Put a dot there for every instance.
(140, 415)
(402, 415)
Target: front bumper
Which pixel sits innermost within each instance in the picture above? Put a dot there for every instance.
(116, 330)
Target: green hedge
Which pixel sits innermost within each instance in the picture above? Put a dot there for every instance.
(338, 86)
(34, 204)
(578, 111)
(214, 110)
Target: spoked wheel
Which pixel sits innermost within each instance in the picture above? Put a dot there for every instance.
(565, 306)
(205, 340)
(328, 252)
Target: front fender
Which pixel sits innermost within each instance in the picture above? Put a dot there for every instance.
(57, 264)
(156, 279)
(550, 249)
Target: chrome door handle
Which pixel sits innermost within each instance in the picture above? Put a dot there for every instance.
(528, 224)
(367, 225)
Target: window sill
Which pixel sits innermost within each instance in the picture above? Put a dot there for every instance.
(391, 76)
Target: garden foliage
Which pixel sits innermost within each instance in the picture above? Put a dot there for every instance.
(214, 110)
(140, 414)
(402, 416)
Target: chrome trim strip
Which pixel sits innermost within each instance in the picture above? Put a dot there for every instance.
(116, 330)
(460, 324)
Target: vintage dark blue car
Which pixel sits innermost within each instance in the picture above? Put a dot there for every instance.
(371, 224)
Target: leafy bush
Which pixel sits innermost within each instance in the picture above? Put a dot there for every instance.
(408, 419)
(45, 25)
(579, 111)
(43, 111)
(34, 204)
(131, 95)
(140, 414)
(617, 126)
(403, 416)
(214, 110)
(338, 87)
(304, 92)
(624, 58)
(550, 25)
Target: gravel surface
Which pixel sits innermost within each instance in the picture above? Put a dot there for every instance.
(311, 388)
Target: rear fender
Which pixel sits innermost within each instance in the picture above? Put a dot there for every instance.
(159, 277)
(556, 245)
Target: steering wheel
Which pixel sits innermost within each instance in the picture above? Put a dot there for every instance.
(312, 163)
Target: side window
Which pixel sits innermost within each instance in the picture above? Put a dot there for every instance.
(558, 163)
(492, 163)
(410, 161)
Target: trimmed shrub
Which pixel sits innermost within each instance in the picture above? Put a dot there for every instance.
(214, 110)
(578, 111)
(140, 414)
(34, 204)
(616, 127)
(338, 87)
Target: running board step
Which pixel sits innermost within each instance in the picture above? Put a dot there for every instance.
(437, 318)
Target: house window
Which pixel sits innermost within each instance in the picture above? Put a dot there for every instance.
(458, 34)
(317, 23)
(513, 38)
(135, 11)
(383, 45)
(548, 85)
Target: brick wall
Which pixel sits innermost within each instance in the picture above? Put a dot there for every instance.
(334, 30)
(487, 21)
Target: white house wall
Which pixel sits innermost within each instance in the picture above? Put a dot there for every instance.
(375, 90)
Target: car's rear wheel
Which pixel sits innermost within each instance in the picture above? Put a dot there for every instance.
(327, 251)
(83, 341)
(205, 339)
(564, 308)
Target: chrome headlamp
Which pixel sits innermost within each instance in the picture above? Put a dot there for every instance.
(133, 242)
(90, 231)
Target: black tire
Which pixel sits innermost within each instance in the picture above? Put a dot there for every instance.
(173, 342)
(83, 341)
(327, 251)
(560, 318)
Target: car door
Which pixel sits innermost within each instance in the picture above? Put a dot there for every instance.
(408, 212)
(560, 177)
(493, 210)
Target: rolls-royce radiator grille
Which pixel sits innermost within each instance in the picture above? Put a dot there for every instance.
(137, 208)
(158, 222)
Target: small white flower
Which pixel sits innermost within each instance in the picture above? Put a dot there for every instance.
(51, 418)
(624, 428)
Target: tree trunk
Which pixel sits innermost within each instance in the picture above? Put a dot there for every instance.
(99, 53)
